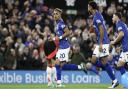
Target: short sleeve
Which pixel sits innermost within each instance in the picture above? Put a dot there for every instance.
(63, 26)
(119, 28)
(98, 21)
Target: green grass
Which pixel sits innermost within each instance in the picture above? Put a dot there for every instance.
(68, 86)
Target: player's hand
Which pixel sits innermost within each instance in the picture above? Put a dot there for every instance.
(100, 48)
(112, 43)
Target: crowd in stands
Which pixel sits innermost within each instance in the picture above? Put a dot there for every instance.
(24, 25)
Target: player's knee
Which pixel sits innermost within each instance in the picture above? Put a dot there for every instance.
(57, 62)
(88, 65)
(120, 63)
(62, 64)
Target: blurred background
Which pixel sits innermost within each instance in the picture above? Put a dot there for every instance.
(24, 25)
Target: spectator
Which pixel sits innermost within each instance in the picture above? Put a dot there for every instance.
(77, 57)
(25, 25)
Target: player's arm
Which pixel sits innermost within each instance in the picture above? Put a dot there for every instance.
(109, 29)
(119, 37)
(101, 32)
(66, 32)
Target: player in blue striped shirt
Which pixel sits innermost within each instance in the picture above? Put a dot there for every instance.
(101, 50)
(122, 30)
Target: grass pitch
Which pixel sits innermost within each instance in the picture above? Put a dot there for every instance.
(67, 86)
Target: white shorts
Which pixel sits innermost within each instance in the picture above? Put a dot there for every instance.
(124, 56)
(105, 48)
(63, 54)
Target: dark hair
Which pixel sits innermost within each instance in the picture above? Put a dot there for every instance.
(93, 5)
(118, 14)
(59, 10)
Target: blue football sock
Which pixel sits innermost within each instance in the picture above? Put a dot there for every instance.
(70, 67)
(122, 70)
(110, 71)
(58, 70)
(93, 69)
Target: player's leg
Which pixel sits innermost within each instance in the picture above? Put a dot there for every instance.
(121, 68)
(73, 66)
(58, 72)
(92, 68)
(65, 58)
(66, 66)
(62, 57)
(49, 75)
(95, 57)
(108, 68)
(54, 76)
(110, 72)
(104, 59)
(60, 54)
(121, 63)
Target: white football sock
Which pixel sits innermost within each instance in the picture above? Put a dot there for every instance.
(54, 75)
(79, 67)
(49, 75)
